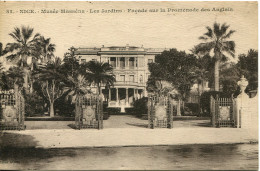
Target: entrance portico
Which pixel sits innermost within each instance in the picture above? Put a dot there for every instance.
(122, 97)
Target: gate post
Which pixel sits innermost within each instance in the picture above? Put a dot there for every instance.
(149, 111)
(100, 112)
(169, 112)
(213, 111)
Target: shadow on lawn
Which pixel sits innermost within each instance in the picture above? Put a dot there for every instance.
(138, 125)
(14, 140)
(208, 124)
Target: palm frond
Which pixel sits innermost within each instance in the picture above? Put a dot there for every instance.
(209, 33)
(10, 47)
(223, 29)
(217, 30)
(204, 48)
(228, 34)
(229, 47)
(26, 33)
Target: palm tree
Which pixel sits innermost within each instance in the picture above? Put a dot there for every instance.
(47, 49)
(22, 48)
(2, 51)
(15, 76)
(216, 40)
(76, 86)
(52, 82)
(42, 52)
(99, 73)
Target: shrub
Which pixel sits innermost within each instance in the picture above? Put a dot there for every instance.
(191, 109)
(34, 104)
(113, 111)
(64, 107)
(140, 107)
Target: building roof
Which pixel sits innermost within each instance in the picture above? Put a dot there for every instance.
(126, 50)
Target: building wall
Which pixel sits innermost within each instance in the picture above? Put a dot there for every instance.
(134, 73)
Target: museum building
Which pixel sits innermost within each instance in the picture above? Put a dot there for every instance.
(130, 65)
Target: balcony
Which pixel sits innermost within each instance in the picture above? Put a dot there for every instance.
(128, 83)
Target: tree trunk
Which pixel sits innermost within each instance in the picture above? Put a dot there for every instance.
(202, 86)
(99, 89)
(51, 109)
(31, 81)
(25, 84)
(179, 108)
(31, 87)
(216, 72)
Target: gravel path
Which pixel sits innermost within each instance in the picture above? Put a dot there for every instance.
(114, 121)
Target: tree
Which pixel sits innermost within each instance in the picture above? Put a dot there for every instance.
(2, 51)
(22, 48)
(177, 68)
(52, 82)
(15, 77)
(99, 73)
(202, 70)
(248, 66)
(47, 49)
(71, 64)
(216, 40)
(76, 86)
(154, 83)
(42, 52)
(229, 77)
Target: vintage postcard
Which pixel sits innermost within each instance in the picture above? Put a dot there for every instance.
(129, 85)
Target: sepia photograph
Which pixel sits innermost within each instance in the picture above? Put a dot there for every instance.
(129, 85)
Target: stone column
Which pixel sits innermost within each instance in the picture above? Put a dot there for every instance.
(134, 94)
(126, 62)
(142, 93)
(134, 62)
(109, 95)
(126, 97)
(117, 99)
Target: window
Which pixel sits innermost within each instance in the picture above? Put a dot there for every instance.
(113, 61)
(83, 60)
(122, 78)
(131, 62)
(122, 62)
(141, 78)
(94, 59)
(131, 78)
(150, 61)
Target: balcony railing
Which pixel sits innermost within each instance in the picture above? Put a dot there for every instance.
(130, 83)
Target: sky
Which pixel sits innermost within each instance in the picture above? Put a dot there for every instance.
(151, 29)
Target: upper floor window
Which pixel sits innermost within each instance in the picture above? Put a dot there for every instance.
(141, 78)
(94, 59)
(150, 61)
(122, 62)
(113, 61)
(131, 78)
(122, 78)
(131, 62)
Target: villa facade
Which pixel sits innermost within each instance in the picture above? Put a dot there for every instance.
(130, 65)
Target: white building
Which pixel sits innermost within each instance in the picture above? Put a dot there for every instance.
(130, 68)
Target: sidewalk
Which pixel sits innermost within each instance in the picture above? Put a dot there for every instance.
(111, 137)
